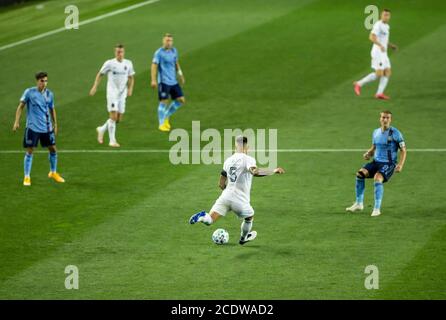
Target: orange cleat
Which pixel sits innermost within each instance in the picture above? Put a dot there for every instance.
(357, 88)
(382, 96)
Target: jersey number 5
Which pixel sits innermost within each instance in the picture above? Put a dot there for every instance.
(233, 174)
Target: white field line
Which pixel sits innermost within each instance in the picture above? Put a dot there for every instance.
(81, 23)
(220, 151)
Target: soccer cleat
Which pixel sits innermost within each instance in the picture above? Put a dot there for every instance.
(382, 96)
(100, 135)
(376, 212)
(56, 177)
(27, 181)
(251, 236)
(114, 145)
(357, 88)
(196, 217)
(164, 128)
(355, 207)
(167, 123)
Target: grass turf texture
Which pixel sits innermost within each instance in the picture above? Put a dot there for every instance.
(122, 218)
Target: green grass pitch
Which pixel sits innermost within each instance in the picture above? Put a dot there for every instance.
(122, 217)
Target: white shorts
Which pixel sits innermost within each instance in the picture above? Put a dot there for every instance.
(241, 208)
(116, 103)
(380, 60)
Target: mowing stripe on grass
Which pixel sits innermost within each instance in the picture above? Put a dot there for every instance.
(168, 150)
(100, 17)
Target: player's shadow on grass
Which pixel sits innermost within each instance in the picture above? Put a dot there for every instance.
(253, 251)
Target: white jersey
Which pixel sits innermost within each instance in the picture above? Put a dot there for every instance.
(381, 30)
(239, 177)
(118, 74)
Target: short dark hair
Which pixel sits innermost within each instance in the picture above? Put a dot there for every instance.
(386, 112)
(119, 45)
(168, 35)
(386, 10)
(41, 74)
(241, 139)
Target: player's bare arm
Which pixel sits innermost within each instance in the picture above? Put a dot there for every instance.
(263, 172)
(180, 74)
(403, 155)
(374, 39)
(18, 115)
(369, 154)
(54, 118)
(130, 84)
(222, 182)
(154, 74)
(96, 83)
(393, 46)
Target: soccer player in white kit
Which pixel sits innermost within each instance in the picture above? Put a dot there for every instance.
(380, 60)
(120, 82)
(235, 181)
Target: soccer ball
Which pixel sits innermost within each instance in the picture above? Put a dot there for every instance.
(220, 236)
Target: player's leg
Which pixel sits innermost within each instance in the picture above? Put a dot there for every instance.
(48, 140)
(244, 211)
(52, 157)
(220, 208)
(112, 129)
(101, 130)
(163, 97)
(367, 79)
(205, 218)
(379, 192)
(383, 81)
(121, 108)
(178, 100)
(162, 109)
(27, 163)
(30, 140)
(361, 175)
(246, 230)
(383, 175)
(116, 116)
(376, 57)
(173, 107)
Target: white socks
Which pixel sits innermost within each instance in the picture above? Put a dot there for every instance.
(104, 127)
(207, 219)
(246, 228)
(368, 78)
(111, 130)
(372, 77)
(382, 84)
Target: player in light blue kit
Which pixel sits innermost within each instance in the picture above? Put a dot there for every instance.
(387, 141)
(165, 67)
(41, 125)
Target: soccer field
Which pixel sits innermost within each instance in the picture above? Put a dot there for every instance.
(122, 216)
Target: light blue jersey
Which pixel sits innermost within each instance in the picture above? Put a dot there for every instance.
(387, 144)
(166, 60)
(38, 105)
